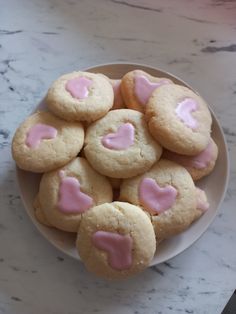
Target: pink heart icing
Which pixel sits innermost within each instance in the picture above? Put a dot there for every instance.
(154, 198)
(184, 111)
(143, 87)
(78, 87)
(199, 161)
(71, 199)
(39, 132)
(117, 246)
(202, 203)
(123, 138)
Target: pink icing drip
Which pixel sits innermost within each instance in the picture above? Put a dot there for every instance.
(39, 132)
(71, 199)
(118, 247)
(123, 138)
(184, 110)
(202, 203)
(199, 161)
(144, 88)
(154, 198)
(78, 87)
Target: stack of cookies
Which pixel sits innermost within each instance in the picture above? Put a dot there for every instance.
(119, 160)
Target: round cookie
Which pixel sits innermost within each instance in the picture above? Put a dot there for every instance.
(80, 96)
(199, 165)
(167, 193)
(44, 142)
(118, 98)
(179, 119)
(39, 214)
(120, 146)
(67, 193)
(137, 86)
(116, 240)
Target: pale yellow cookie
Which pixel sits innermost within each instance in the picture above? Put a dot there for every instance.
(80, 96)
(67, 193)
(39, 214)
(199, 165)
(167, 193)
(44, 142)
(179, 119)
(116, 240)
(137, 87)
(120, 146)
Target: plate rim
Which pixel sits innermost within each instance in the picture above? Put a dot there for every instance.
(227, 165)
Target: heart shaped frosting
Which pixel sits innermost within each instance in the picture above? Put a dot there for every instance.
(202, 203)
(123, 138)
(39, 132)
(143, 87)
(154, 198)
(184, 111)
(117, 246)
(71, 199)
(78, 87)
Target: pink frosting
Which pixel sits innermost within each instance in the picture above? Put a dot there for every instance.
(143, 87)
(154, 198)
(39, 132)
(78, 87)
(202, 203)
(123, 138)
(71, 199)
(184, 111)
(117, 246)
(199, 161)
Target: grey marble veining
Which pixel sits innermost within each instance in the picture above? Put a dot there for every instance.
(41, 39)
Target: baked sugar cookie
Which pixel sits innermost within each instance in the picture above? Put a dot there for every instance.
(179, 119)
(120, 146)
(199, 165)
(116, 240)
(44, 142)
(137, 86)
(167, 193)
(39, 214)
(80, 96)
(67, 193)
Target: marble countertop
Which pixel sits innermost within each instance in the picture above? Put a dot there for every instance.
(41, 39)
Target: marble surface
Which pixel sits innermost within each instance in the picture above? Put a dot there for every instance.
(41, 39)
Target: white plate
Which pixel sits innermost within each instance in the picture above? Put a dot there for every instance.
(215, 184)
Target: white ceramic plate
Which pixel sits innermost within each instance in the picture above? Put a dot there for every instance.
(215, 184)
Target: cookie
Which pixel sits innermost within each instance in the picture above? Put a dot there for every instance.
(137, 86)
(44, 142)
(115, 183)
(80, 96)
(120, 146)
(116, 240)
(39, 214)
(118, 98)
(67, 193)
(179, 119)
(167, 193)
(199, 165)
